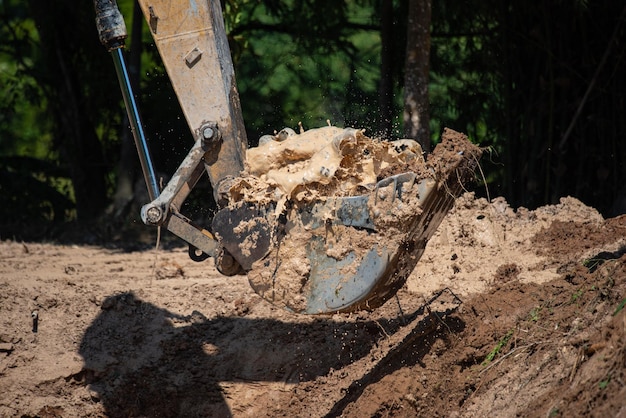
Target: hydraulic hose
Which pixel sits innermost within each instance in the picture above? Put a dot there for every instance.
(112, 33)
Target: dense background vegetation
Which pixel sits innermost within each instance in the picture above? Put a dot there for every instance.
(542, 84)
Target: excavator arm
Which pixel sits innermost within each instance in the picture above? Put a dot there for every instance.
(192, 43)
(323, 221)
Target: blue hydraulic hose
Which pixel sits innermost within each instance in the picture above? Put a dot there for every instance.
(112, 33)
(135, 123)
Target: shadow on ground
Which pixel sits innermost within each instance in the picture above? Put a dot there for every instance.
(143, 360)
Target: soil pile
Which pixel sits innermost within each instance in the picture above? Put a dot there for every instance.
(537, 330)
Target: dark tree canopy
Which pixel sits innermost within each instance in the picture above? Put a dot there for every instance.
(539, 83)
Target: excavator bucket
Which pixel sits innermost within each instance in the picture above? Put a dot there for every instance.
(318, 247)
(323, 221)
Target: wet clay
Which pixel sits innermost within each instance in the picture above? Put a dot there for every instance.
(304, 178)
(317, 163)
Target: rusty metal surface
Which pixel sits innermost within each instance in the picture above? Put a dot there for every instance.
(165, 209)
(192, 42)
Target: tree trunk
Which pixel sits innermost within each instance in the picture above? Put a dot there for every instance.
(416, 110)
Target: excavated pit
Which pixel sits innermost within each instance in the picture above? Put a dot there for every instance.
(317, 259)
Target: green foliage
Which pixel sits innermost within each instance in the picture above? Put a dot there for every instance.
(620, 307)
(464, 77)
(604, 383)
(554, 412)
(21, 98)
(593, 263)
(534, 314)
(577, 295)
(499, 346)
(306, 62)
(32, 186)
(513, 76)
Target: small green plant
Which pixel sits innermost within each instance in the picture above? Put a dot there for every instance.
(593, 263)
(503, 342)
(554, 412)
(534, 314)
(620, 307)
(604, 383)
(577, 294)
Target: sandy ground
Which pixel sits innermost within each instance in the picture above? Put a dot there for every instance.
(509, 313)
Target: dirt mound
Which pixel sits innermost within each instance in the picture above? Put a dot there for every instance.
(532, 324)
